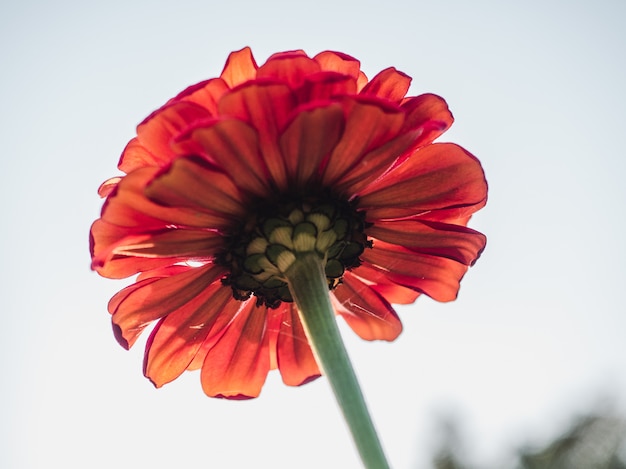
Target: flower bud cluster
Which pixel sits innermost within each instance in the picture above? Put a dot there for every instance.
(260, 256)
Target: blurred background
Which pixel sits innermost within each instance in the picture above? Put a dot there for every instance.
(528, 364)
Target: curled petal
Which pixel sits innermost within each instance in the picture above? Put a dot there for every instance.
(237, 365)
(368, 125)
(389, 84)
(290, 69)
(206, 94)
(137, 305)
(365, 311)
(295, 358)
(437, 277)
(429, 112)
(339, 62)
(155, 134)
(233, 146)
(175, 341)
(440, 176)
(184, 185)
(240, 67)
(308, 140)
(266, 107)
(455, 242)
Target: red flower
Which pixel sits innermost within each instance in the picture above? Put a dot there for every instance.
(229, 177)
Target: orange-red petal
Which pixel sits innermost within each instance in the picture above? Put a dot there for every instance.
(389, 84)
(206, 94)
(437, 177)
(175, 341)
(369, 125)
(154, 135)
(237, 365)
(267, 108)
(137, 305)
(190, 183)
(233, 146)
(290, 68)
(240, 67)
(308, 140)
(365, 311)
(455, 242)
(437, 277)
(295, 358)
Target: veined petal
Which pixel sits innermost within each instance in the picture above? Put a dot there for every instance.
(339, 62)
(437, 277)
(266, 107)
(137, 305)
(185, 184)
(119, 251)
(296, 362)
(428, 112)
(368, 125)
(455, 242)
(155, 135)
(288, 68)
(308, 140)
(233, 146)
(389, 84)
(237, 365)
(206, 94)
(437, 177)
(390, 291)
(325, 85)
(177, 338)
(240, 67)
(365, 311)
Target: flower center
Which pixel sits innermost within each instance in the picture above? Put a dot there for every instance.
(275, 234)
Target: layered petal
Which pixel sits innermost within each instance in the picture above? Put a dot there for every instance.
(308, 140)
(389, 84)
(237, 365)
(152, 146)
(240, 67)
(175, 341)
(437, 277)
(455, 242)
(366, 311)
(137, 305)
(295, 358)
(440, 176)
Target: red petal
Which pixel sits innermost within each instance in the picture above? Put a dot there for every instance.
(308, 140)
(136, 306)
(156, 132)
(378, 281)
(339, 62)
(174, 343)
(455, 242)
(108, 186)
(129, 206)
(290, 69)
(190, 183)
(365, 311)
(389, 84)
(429, 112)
(237, 365)
(437, 277)
(437, 177)
(234, 147)
(325, 85)
(118, 251)
(206, 94)
(369, 125)
(266, 107)
(295, 358)
(240, 67)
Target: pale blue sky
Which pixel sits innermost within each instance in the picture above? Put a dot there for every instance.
(537, 89)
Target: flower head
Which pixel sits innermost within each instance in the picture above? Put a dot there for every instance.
(230, 180)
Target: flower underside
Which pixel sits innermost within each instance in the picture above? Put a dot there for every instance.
(277, 231)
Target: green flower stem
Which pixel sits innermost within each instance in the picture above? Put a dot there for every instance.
(309, 287)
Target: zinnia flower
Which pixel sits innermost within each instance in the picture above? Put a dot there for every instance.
(230, 179)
